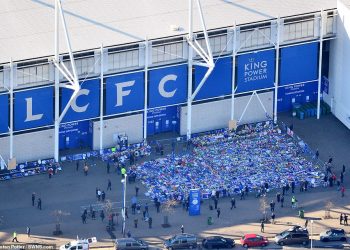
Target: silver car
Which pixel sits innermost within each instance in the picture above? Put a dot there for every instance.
(130, 244)
(333, 234)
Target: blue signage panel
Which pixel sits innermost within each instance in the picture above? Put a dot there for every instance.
(195, 202)
(163, 119)
(255, 71)
(125, 93)
(219, 82)
(298, 93)
(4, 111)
(87, 103)
(299, 64)
(33, 108)
(167, 86)
(74, 135)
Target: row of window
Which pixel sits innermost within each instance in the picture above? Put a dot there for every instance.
(254, 37)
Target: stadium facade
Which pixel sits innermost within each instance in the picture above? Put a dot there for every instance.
(132, 61)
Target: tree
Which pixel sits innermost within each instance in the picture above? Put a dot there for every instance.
(58, 214)
(263, 207)
(168, 207)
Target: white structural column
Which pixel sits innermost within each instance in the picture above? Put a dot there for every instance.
(57, 88)
(320, 68)
(189, 80)
(146, 91)
(11, 107)
(234, 53)
(277, 47)
(101, 98)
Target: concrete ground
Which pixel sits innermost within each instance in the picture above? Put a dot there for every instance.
(70, 189)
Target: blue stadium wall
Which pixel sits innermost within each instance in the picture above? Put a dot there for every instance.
(167, 94)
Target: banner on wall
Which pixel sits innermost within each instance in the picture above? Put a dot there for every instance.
(298, 93)
(33, 108)
(167, 86)
(195, 202)
(299, 63)
(86, 104)
(219, 82)
(4, 111)
(255, 71)
(125, 93)
(164, 119)
(74, 135)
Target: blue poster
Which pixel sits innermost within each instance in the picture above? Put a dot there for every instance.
(87, 103)
(74, 135)
(33, 108)
(298, 93)
(195, 202)
(256, 71)
(125, 93)
(167, 86)
(164, 119)
(299, 64)
(4, 111)
(219, 82)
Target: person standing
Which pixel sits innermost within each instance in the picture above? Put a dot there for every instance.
(342, 177)
(33, 199)
(272, 206)
(123, 172)
(215, 203)
(109, 186)
(135, 222)
(341, 219)
(282, 200)
(278, 197)
(158, 206)
(77, 165)
(273, 216)
(39, 203)
(342, 190)
(182, 229)
(233, 202)
(293, 186)
(28, 232)
(14, 237)
(86, 169)
(150, 222)
(262, 227)
(83, 218)
(137, 190)
(218, 212)
(102, 215)
(343, 169)
(108, 167)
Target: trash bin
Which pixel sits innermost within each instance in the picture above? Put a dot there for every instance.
(301, 213)
(210, 220)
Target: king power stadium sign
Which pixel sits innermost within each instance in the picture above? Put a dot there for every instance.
(255, 70)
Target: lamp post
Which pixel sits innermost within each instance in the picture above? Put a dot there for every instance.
(124, 201)
(312, 225)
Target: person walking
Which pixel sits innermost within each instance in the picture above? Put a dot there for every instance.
(158, 206)
(33, 199)
(282, 200)
(83, 218)
(182, 229)
(342, 177)
(137, 190)
(215, 203)
(77, 166)
(345, 219)
(102, 215)
(306, 223)
(99, 193)
(14, 237)
(273, 216)
(103, 196)
(341, 219)
(293, 201)
(293, 186)
(108, 167)
(86, 169)
(129, 234)
(233, 202)
(39, 203)
(272, 206)
(278, 197)
(218, 212)
(109, 185)
(135, 222)
(343, 169)
(28, 232)
(262, 227)
(342, 190)
(150, 222)
(123, 172)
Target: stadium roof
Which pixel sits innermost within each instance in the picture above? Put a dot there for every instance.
(27, 26)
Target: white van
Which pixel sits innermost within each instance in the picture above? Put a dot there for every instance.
(78, 244)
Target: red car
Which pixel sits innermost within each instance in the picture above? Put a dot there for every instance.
(254, 240)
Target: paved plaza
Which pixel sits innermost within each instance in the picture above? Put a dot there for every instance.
(70, 189)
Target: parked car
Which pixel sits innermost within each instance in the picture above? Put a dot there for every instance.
(130, 244)
(79, 244)
(333, 234)
(289, 237)
(181, 241)
(254, 240)
(218, 242)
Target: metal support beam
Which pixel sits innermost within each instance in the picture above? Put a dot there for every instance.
(320, 68)
(234, 53)
(101, 98)
(57, 87)
(146, 90)
(11, 107)
(277, 48)
(189, 80)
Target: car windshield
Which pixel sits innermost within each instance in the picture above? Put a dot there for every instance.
(67, 245)
(284, 234)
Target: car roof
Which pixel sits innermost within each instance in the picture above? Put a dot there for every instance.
(215, 237)
(124, 240)
(337, 229)
(250, 235)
